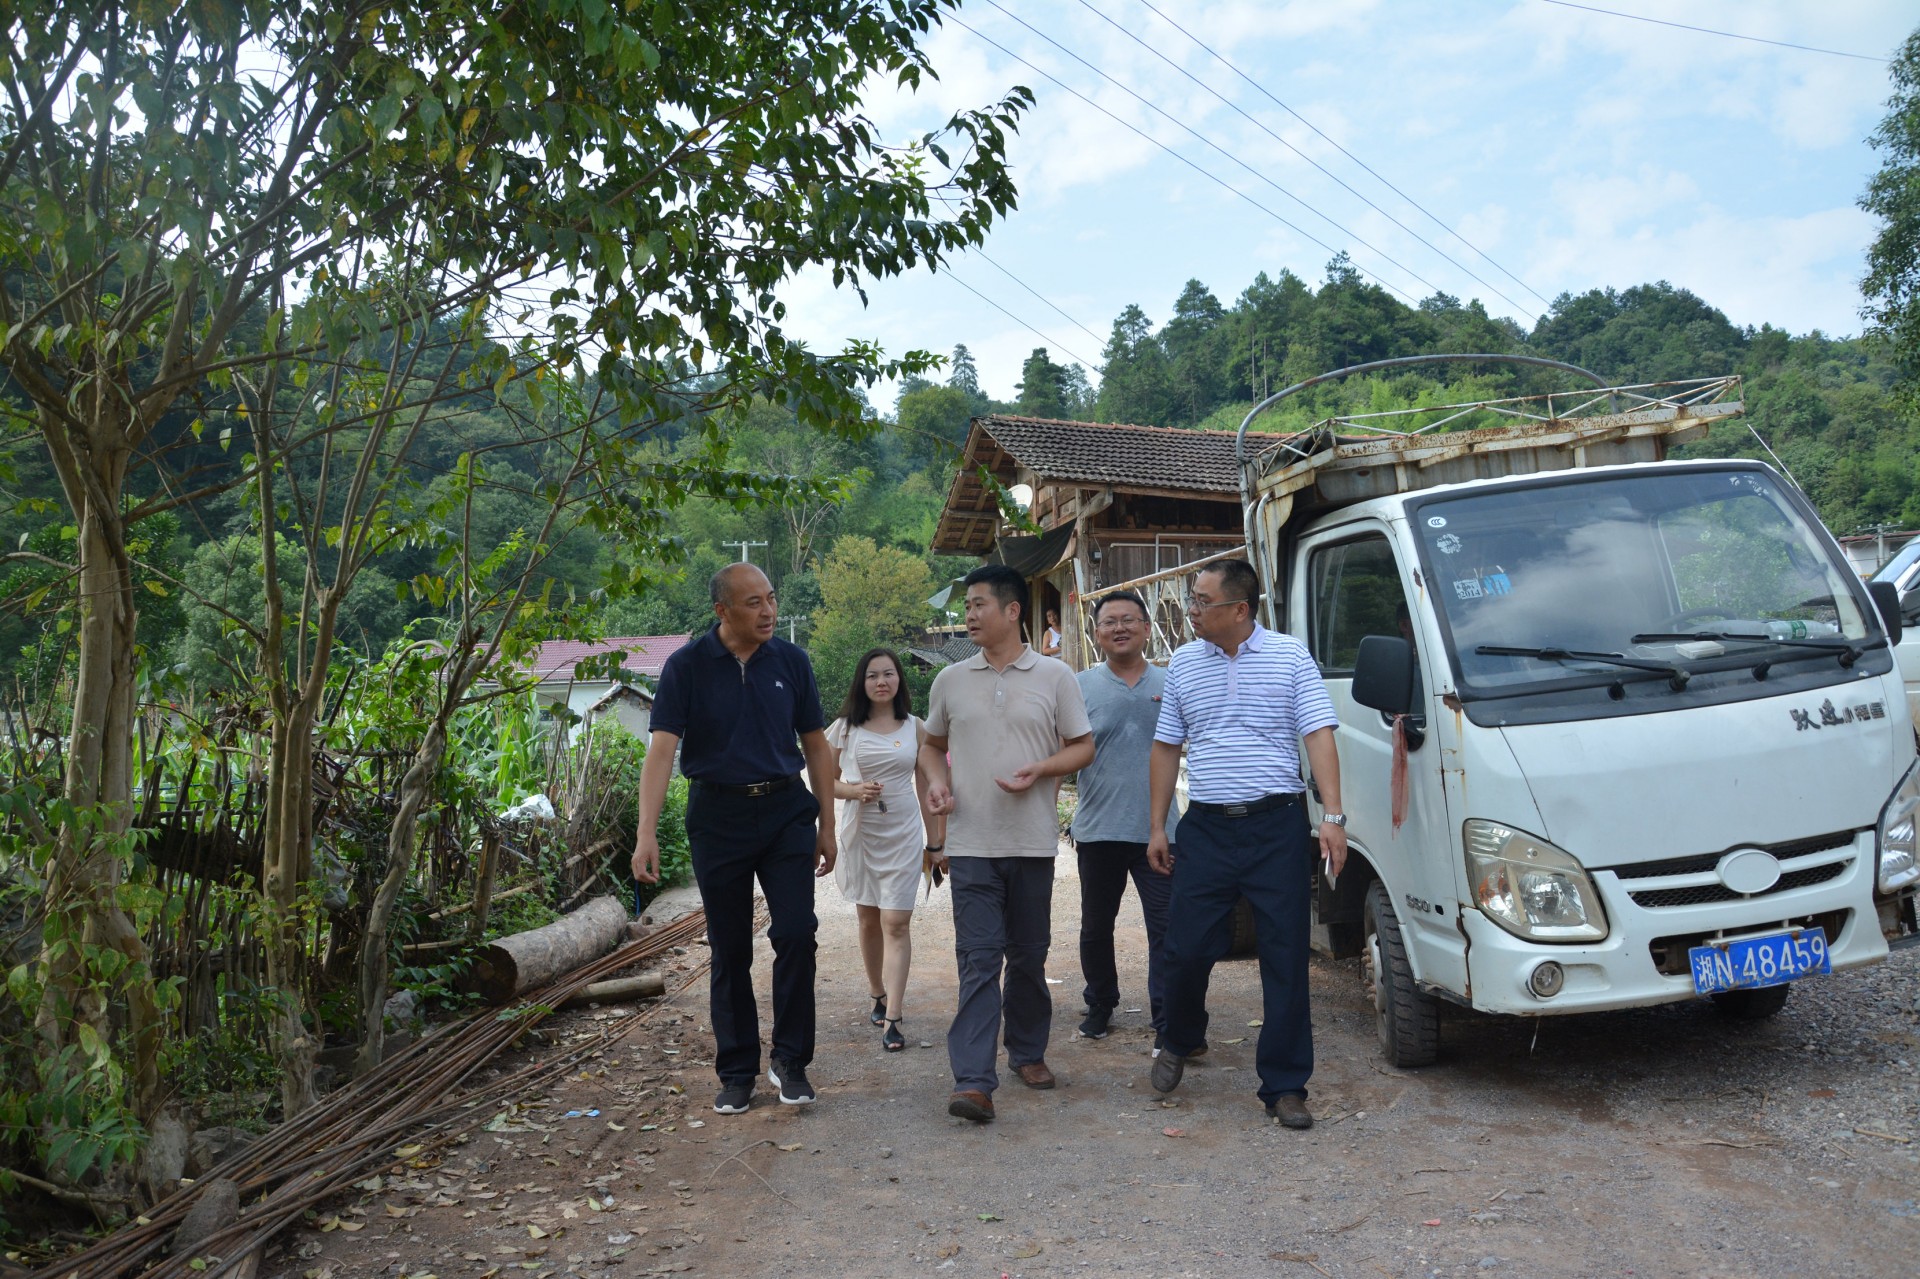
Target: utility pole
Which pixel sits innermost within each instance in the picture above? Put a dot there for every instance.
(744, 547)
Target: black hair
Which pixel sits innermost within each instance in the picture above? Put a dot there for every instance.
(1006, 584)
(1239, 581)
(858, 707)
(1120, 597)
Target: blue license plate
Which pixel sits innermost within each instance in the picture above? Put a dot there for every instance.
(1749, 962)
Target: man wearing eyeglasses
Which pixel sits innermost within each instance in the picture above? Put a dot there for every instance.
(1240, 698)
(1110, 822)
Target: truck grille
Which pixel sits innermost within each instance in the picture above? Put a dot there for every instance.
(1643, 880)
(1705, 894)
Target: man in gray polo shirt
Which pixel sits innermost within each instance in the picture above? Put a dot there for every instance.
(1110, 824)
(1011, 719)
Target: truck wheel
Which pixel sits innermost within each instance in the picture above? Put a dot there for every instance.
(1751, 1005)
(1245, 938)
(1408, 1020)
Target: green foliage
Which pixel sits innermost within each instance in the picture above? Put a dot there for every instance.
(617, 756)
(72, 1107)
(870, 595)
(1892, 283)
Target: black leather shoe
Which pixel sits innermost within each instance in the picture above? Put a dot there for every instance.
(1290, 1109)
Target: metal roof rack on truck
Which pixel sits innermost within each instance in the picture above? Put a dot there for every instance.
(1339, 461)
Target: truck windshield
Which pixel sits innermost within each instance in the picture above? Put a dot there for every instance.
(1608, 578)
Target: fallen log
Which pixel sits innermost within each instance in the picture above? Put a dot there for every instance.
(645, 986)
(512, 964)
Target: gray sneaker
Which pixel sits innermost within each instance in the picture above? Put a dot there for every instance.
(734, 1099)
(1167, 1069)
(1098, 1023)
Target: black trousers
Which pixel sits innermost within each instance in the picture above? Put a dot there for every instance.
(736, 839)
(1264, 855)
(1105, 867)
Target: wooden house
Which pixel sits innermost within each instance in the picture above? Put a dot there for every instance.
(1114, 504)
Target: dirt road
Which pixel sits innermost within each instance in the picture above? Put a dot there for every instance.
(1657, 1143)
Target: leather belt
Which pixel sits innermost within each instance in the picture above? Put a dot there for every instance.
(750, 788)
(1245, 807)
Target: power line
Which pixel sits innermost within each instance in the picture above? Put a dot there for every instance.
(1224, 61)
(1077, 359)
(1258, 124)
(1731, 35)
(1204, 140)
(1210, 176)
(981, 253)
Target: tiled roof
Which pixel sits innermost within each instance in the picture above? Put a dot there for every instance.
(1130, 456)
(942, 648)
(1155, 459)
(645, 655)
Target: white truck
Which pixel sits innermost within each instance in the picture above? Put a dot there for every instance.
(1653, 741)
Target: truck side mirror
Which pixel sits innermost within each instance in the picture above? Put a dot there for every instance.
(1886, 598)
(1383, 674)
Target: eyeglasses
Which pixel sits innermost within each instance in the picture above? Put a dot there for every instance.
(1196, 605)
(1119, 624)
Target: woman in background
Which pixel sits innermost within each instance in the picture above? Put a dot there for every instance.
(1050, 642)
(884, 829)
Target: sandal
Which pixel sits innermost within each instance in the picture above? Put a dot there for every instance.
(879, 1014)
(893, 1041)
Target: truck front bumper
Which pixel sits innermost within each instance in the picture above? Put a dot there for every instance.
(1655, 921)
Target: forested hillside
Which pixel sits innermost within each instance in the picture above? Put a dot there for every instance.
(1823, 404)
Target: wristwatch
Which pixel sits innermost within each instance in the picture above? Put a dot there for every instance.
(1334, 819)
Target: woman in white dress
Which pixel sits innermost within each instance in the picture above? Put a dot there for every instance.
(884, 830)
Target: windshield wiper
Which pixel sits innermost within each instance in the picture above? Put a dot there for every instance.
(1677, 676)
(1839, 646)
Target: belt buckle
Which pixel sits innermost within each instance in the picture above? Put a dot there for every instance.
(1236, 810)
(759, 788)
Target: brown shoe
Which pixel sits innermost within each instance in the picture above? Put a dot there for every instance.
(1291, 1110)
(1035, 1075)
(973, 1105)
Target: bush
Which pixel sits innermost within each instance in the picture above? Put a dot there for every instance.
(615, 760)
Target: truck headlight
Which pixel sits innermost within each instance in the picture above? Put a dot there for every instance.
(1895, 837)
(1529, 887)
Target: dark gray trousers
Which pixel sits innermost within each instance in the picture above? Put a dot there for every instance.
(1002, 918)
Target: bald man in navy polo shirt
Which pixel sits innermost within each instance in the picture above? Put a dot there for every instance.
(740, 705)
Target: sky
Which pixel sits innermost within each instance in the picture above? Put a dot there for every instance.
(1537, 149)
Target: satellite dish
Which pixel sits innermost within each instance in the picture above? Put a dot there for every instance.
(1022, 495)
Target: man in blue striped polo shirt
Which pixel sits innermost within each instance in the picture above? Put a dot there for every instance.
(1240, 697)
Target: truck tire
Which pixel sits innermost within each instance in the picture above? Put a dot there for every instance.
(1751, 1005)
(1407, 1018)
(1245, 938)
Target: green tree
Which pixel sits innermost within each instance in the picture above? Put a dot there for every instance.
(311, 216)
(1135, 386)
(869, 595)
(1892, 283)
(1042, 389)
(935, 419)
(1194, 340)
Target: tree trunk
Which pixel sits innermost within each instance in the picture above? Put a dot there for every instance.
(483, 885)
(84, 916)
(416, 788)
(525, 960)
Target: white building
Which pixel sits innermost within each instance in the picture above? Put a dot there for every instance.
(555, 666)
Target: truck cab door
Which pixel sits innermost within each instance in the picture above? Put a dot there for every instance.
(1352, 585)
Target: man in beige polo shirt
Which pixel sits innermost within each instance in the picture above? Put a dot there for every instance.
(1011, 720)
